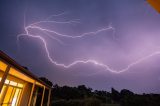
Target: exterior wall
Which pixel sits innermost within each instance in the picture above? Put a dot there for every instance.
(11, 71)
(26, 94)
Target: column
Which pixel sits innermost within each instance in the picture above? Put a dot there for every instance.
(30, 99)
(4, 77)
(49, 96)
(43, 96)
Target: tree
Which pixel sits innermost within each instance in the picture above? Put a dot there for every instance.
(115, 95)
(46, 81)
(84, 90)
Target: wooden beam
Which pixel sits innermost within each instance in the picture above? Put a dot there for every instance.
(4, 77)
(43, 96)
(31, 95)
(49, 97)
(155, 4)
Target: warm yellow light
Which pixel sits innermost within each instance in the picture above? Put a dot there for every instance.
(2, 93)
(7, 97)
(20, 75)
(3, 66)
(155, 4)
(20, 85)
(16, 97)
(13, 83)
(6, 81)
(10, 95)
(14, 102)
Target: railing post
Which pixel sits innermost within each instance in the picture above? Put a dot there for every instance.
(49, 97)
(31, 95)
(43, 96)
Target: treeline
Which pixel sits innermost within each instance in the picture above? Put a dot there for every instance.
(85, 96)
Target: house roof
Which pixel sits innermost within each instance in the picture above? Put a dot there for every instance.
(23, 70)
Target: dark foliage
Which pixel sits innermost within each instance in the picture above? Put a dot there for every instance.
(46, 81)
(68, 93)
(84, 96)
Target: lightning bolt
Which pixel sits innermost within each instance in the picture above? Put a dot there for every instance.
(48, 33)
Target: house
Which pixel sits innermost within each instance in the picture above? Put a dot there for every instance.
(19, 87)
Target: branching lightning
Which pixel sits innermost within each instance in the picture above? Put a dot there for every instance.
(50, 33)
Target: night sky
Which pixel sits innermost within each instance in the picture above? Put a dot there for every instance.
(132, 39)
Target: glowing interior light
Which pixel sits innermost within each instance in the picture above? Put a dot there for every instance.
(20, 85)
(14, 101)
(6, 81)
(16, 97)
(2, 92)
(12, 93)
(13, 83)
(3, 66)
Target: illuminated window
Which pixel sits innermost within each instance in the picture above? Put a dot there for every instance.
(2, 94)
(12, 96)
(20, 85)
(16, 97)
(13, 83)
(6, 81)
(10, 93)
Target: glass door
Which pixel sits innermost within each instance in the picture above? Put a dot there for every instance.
(10, 94)
(2, 94)
(11, 97)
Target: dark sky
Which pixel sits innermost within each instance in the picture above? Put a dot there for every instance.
(132, 42)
